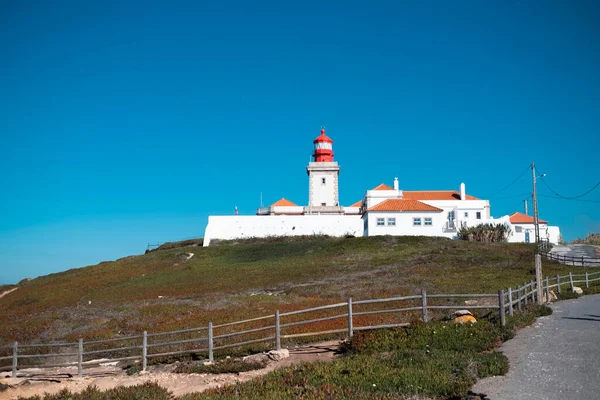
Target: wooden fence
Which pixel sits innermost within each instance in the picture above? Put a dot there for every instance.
(347, 317)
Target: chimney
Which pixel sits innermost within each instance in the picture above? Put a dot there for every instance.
(526, 209)
(463, 192)
(396, 185)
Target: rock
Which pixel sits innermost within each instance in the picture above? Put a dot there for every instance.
(552, 297)
(470, 302)
(577, 290)
(278, 355)
(256, 358)
(463, 316)
(463, 319)
(208, 363)
(458, 313)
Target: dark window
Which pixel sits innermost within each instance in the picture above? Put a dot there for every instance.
(478, 214)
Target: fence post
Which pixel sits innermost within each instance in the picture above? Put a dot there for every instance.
(587, 281)
(525, 294)
(532, 292)
(210, 342)
(510, 302)
(424, 304)
(558, 283)
(144, 350)
(277, 332)
(80, 358)
(519, 298)
(571, 280)
(582, 261)
(15, 355)
(350, 327)
(547, 290)
(501, 307)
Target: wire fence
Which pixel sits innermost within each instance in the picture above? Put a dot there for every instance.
(341, 319)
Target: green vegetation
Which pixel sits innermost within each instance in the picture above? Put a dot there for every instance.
(164, 290)
(438, 360)
(592, 238)
(486, 233)
(227, 366)
(144, 391)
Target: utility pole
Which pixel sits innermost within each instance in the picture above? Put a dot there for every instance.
(538, 256)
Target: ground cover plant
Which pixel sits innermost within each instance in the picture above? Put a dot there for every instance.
(166, 290)
(226, 366)
(437, 360)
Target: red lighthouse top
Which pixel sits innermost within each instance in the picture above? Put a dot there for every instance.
(323, 148)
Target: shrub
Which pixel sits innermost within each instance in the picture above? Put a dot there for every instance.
(487, 233)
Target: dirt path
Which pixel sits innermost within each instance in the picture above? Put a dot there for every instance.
(37, 381)
(7, 292)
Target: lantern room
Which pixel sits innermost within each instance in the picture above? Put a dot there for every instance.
(323, 148)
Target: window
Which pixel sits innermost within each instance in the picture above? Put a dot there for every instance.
(323, 204)
(380, 221)
(417, 221)
(428, 222)
(391, 221)
(518, 229)
(478, 215)
(322, 181)
(466, 214)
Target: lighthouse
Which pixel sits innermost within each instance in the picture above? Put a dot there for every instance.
(323, 175)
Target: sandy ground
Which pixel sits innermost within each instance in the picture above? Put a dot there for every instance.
(38, 381)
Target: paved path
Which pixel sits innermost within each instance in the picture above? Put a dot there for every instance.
(555, 358)
(578, 252)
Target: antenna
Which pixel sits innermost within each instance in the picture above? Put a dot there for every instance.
(261, 203)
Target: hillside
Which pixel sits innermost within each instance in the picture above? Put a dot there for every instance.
(169, 289)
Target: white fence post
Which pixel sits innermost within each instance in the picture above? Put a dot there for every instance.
(350, 327)
(14, 360)
(424, 305)
(210, 342)
(80, 358)
(547, 290)
(571, 280)
(519, 307)
(558, 283)
(501, 307)
(532, 292)
(510, 302)
(525, 294)
(277, 332)
(587, 281)
(144, 350)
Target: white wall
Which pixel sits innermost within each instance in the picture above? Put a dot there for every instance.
(248, 226)
(323, 192)
(404, 224)
(460, 207)
(552, 233)
(375, 197)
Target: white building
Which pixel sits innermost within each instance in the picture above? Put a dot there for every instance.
(384, 210)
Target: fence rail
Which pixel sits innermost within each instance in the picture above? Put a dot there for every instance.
(347, 318)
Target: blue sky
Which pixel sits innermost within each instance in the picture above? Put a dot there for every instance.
(125, 123)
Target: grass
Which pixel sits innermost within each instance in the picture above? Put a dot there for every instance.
(144, 391)
(160, 291)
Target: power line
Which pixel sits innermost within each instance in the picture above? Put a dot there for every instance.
(565, 198)
(512, 196)
(573, 197)
(512, 183)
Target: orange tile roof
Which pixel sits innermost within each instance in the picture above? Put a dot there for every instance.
(357, 204)
(435, 195)
(520, 218)
(403, 205)
(283, 203)
(383, 186)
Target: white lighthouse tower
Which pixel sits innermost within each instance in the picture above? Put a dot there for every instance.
(323, 174)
